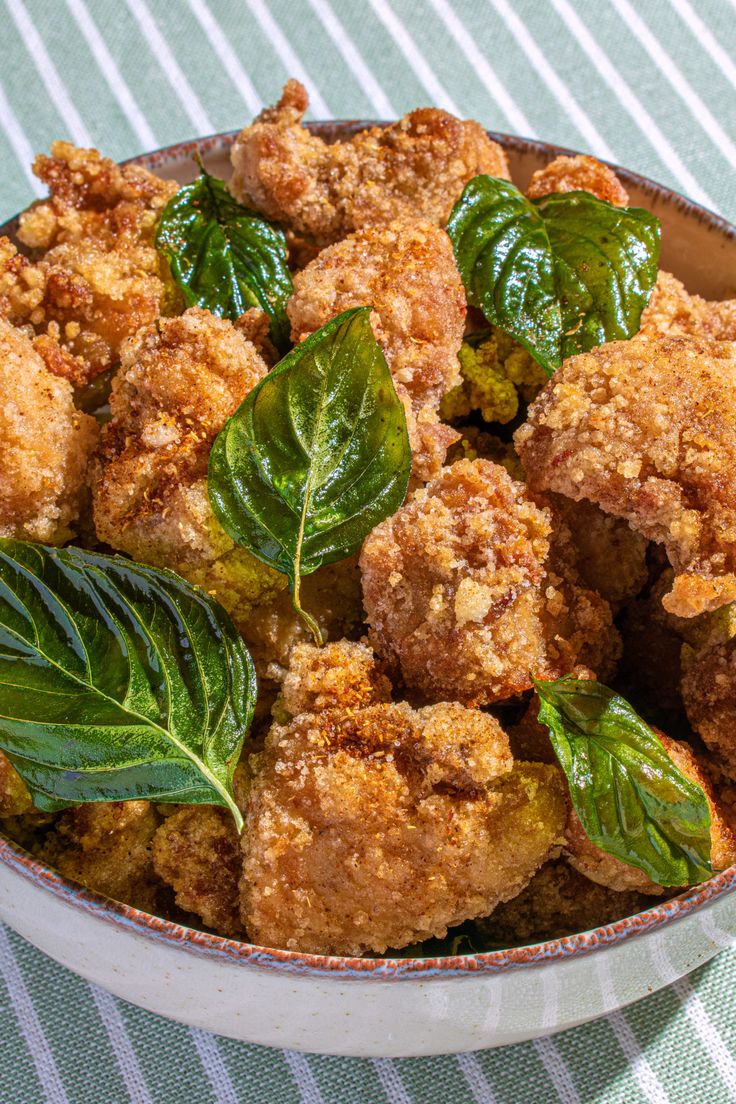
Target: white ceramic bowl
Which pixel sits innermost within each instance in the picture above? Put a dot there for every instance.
(389, 1007)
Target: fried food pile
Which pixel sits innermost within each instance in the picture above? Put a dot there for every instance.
(397, 781)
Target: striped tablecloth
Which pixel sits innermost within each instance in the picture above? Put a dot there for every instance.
(649, 83)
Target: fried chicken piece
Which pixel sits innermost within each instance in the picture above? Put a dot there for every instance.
(647, 430)
(15, 800)
(197, 852)
(179, 381)
(558, 902)
(341, 675)
(460, 597)
(578, 174)
(407, 272)
(45, 446)
(414, 168)
(604, 551)
(332, 595)
(609, 871)
(709, 695)
(97, 276)
(107, 847)
(672, 311)
(378, 826)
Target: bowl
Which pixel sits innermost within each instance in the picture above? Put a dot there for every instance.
(389, 1007)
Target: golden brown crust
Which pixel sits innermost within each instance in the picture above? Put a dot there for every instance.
(414, 168)
(97, 276)
(179, 381)
(709, 695)
(673, 311)
(107, 847)
(558, 902)
(342, 675)
(609, 871)
(377, 827)
(647, 430)
(459, 596)
(406, 271)
(45, 446)
(578, 174)
(197, 852)
(332, 595)
(15, 800)
(603, 551)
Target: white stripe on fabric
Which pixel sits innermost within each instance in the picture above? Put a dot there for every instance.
(702, 115)
(557, 1070)
(29, 1024)
(301, 1072)
(631, 103)
(363, 75)
(19, 143)
(214, 1067)
(476, 1079)
(186, 95)
(516, 117)
(391, 1081)
(415, 59)
(595, 141)
(122, 1047)
(696, 1013)
(112, 75)
(706, 39)
(47, 71)
(230, 61)
(283, 50)
(647, 1080)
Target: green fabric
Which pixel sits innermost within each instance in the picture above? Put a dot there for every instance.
(649, 83)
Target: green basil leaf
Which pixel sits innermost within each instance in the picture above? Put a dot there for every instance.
(633, 802)
(316, 455)
(117, 681)
(224, 257)
(561, 274)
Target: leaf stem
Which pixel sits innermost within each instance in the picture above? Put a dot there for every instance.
(306, 617)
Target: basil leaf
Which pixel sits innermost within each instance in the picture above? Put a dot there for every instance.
(224, 257)
(633, 802)
(316, 455)
(117, 681)
(561, 274)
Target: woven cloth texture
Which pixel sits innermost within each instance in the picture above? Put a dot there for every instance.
(648, 83)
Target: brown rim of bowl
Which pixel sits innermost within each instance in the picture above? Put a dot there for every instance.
(297, 962)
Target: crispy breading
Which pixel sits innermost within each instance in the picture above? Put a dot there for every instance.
(578, 174)
(197, 852)
(604, 551)
(107, 847)
(179, 381)
(647, 430)
(557, 902)
(15, 800)
(673, 311)
(95, 276)
(709, 695)
(406, 271)
(341, 675)
(332, 595)
(45, 446)
(416, 168)
(460, 597)
(376, 827)
(609, 871)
